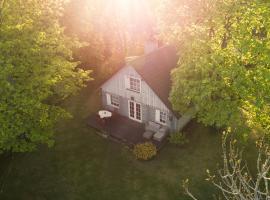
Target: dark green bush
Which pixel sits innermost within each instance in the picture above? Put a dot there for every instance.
(178, 138)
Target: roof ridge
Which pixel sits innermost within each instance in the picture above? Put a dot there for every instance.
(136, 58)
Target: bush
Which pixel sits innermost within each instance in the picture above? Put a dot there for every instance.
(178, 138)
(145, 151)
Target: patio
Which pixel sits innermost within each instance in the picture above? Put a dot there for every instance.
(121, 129)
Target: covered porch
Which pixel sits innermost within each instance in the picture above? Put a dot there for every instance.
(122, 129)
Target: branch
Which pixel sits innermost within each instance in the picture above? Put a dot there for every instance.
(185, 186)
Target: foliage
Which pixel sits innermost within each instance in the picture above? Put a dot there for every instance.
(224, 67)
(178, 138)
(74, 153)
(145, 151)
(235, 180)
(37, 72)
(112, 31)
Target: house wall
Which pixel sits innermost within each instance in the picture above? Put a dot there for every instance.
(148, 112)
(148, 99)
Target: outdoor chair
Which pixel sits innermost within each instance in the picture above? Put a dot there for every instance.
(161, 134)
(150, 129)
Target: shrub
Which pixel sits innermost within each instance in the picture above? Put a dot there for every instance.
(178, 138)
(145, 151)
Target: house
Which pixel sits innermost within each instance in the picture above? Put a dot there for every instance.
(140, 89)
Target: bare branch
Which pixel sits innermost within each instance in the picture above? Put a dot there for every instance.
(235, 181)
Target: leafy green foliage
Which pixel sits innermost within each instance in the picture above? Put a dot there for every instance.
(178, 138)
(224, 67)
(37, 73)
(145, 151)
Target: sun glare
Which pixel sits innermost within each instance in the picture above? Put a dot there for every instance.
(123, 4)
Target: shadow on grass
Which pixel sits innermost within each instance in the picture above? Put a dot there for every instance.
(83, 165)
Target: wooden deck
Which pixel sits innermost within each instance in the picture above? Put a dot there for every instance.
(121, 129)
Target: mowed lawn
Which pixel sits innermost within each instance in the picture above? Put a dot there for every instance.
(83, 165)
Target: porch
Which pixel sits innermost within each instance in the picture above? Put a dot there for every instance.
(122, 129)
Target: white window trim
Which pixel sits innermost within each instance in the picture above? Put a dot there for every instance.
(166, 118)
(135, 119)
(109, 100)
(158, 117)
(127, 83)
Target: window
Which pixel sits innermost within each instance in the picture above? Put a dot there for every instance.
(163, 117)
(134, 84)
(138, 111)
(115, 101)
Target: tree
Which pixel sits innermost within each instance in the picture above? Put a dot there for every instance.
(224, 67)
(113, 30)
(37, 71)
(234, 180)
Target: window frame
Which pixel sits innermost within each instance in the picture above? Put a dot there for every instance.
(133, 81)
(114, 104)
(163, 117)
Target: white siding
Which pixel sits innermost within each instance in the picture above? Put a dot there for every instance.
(147, 96)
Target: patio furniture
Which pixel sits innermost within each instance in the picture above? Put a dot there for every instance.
(148, 134)
(104, 114)
(161, 134)
(152, 126)
(150, 129)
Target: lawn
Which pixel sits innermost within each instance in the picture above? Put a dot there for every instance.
(83, 165)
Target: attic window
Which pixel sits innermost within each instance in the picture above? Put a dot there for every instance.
(133, 84)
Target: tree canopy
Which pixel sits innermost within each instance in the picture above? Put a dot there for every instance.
(111, 29)
(37, 71)
(224, 66)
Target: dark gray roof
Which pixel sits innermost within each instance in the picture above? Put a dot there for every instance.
(155, 69)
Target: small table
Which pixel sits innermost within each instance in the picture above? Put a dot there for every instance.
(104, 114)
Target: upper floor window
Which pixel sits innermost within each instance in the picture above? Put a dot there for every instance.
(133, 84)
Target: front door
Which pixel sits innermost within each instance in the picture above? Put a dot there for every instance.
(135, 111)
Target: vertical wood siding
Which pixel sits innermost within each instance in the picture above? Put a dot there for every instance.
(149, 100)
(116, 85)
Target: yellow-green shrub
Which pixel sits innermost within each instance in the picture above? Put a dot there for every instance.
(145, 151)
(178, 138)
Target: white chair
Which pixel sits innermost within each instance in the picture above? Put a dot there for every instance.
(161, 134)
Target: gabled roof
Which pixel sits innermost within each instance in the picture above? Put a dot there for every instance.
(155, 69)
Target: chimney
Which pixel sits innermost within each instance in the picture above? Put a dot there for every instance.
(150, 45)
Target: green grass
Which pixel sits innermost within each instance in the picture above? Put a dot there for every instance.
(83, 165)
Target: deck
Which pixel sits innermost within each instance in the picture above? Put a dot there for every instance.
(122, 129)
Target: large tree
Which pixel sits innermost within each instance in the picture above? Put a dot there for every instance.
(37, 71)
(113, 30)
(224, 66)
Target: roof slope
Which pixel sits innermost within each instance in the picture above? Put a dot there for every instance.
(155, 69)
